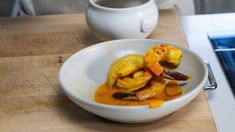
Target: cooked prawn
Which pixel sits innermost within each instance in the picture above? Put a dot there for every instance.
(162, 53)
(157, 87)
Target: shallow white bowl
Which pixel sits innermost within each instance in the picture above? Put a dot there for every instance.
(83, 72)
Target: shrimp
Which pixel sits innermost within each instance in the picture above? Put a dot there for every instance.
(126, 73)
(123, 67)
(139, 80)
(164, 53)
(157, 86)
(161, 53)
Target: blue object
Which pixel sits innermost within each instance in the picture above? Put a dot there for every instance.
(224, 47)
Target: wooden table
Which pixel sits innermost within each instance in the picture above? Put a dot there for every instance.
(32, 50)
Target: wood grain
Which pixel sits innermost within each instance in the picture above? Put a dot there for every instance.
(32, 50)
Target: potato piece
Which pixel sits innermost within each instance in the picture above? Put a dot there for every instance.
(173, 89)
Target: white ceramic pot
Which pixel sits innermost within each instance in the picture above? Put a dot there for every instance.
(119, 19)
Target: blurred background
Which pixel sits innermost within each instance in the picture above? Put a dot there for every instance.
(13, 8)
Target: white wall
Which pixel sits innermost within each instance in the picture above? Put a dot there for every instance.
(185, 7)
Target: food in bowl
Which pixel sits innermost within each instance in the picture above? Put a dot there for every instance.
(139, 80)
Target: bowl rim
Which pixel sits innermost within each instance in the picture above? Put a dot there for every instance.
(198, 87)
(93, 3)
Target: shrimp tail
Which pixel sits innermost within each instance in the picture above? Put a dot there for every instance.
(174, 75)
(135, 96)
(125, 96)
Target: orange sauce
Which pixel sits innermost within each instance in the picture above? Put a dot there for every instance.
(104, 95)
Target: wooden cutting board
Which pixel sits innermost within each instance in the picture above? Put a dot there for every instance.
(32, 50)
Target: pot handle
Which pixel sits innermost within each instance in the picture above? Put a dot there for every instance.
(147, 24)
(211, 78)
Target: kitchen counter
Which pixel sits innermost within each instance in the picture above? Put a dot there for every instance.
(32, 50)
(221, 100)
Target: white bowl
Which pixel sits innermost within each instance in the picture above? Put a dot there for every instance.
(123, 19)
(83, 72)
